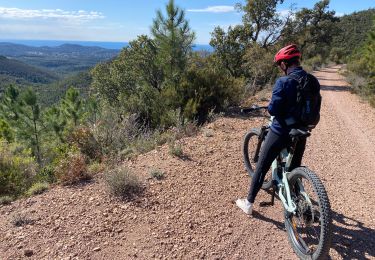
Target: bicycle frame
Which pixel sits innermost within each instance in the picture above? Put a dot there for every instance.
(282, 183)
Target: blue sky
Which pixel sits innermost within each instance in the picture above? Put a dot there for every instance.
(115, 20)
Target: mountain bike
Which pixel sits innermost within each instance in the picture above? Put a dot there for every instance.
(307, 211)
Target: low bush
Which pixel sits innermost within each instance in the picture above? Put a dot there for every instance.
(5, 200)
(17, 168)
(314, 63)
(71, 168)
(144, 143)
(95, 168)
(176, 149)
(84, 139)
(38, 188)
(157, 174)
(208, 132)
(46, 174)
(20, 219)
(123, 183)
(114, 131)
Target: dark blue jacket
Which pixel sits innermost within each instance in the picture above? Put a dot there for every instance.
(284, 95)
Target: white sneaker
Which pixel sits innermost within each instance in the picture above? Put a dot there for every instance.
(245, 205)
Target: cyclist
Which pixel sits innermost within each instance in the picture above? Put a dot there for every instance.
(284, 96)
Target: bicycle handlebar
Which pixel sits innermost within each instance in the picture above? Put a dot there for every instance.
(253, 108)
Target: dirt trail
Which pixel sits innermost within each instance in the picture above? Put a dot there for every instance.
(191, 213)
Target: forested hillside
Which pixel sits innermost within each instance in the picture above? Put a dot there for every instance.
(157, 88)
(21, 73)
(350, 33)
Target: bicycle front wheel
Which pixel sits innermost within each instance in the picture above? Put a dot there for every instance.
(309, 229)
(251, 150)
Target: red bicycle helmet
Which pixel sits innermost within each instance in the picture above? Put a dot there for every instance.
(287, 53)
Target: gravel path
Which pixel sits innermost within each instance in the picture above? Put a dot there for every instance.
(191, 213)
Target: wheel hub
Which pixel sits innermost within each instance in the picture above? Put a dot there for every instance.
(305, 211)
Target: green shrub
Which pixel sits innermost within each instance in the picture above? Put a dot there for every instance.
(123, 183)
(95, 168)
(46, 174)
(337, 54)
(6, 200)
(127, 153)
(38, 188)
(84, 139)
(144, 144)
(361, 65)
(314, 63)
(5, 131)
(17, 169)
(157, 174)
(71, 168)
(114, 131)
(163, 137)
(176, 149)
(204, 89)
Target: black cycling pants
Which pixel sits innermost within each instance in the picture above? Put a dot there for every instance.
(273, 145)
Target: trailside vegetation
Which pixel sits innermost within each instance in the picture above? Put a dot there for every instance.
(361, 67)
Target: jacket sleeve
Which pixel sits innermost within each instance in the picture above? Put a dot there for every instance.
(277, 104)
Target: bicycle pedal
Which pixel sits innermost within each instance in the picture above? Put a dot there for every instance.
(265, 204)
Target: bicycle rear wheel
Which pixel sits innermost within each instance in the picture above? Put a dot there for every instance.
(251, 154)
(310, 228)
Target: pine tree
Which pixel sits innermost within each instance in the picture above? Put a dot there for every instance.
(5, 131)
(72, 106)
(30, 121)
(56, 121)
(174, 38)
(9, 104)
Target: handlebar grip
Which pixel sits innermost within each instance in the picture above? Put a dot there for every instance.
(251, 109)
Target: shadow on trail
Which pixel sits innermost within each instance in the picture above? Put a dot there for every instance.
(330, 79)
(333, 71)
(350, 238)
(336, 88)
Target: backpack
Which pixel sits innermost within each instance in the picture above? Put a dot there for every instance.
(307, 109)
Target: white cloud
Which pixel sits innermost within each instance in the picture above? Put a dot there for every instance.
(214, 9)
(284, 13)
(338, 14)
(56, 14)
(225, 25)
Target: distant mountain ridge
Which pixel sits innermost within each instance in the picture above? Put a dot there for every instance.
(63, 59)
(105, 45)
(16, 50)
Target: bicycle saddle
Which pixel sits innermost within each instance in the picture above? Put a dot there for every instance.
(295, 132)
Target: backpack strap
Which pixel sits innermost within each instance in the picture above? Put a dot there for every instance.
(300, 79)
(296, 77)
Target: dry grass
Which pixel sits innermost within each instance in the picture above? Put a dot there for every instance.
(157, 174)
(38, 188)
(175, 150)
(20, 219)
(123, 183)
